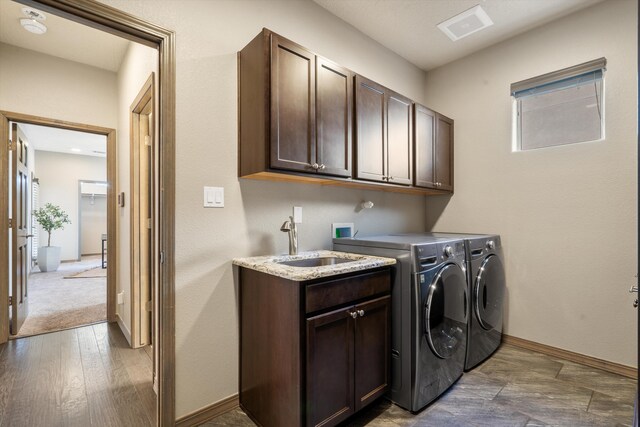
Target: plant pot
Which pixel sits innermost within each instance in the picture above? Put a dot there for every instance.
(48, 258)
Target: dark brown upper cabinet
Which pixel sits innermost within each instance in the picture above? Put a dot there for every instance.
(306, 102)
(303, 118)
(293, 106)
(383, 134)
(334, 107)
(433, 149)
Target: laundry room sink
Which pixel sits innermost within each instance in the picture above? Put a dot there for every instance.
(315, 262)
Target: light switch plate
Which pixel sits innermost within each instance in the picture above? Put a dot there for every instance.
(213, 197)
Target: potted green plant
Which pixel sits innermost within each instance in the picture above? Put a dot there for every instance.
(50, 217)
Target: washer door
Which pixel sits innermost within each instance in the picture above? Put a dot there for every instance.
(488, 293)
(446, 311)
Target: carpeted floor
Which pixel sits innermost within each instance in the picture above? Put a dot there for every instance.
(57, 303)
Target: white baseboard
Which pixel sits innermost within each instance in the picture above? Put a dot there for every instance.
(123, 328)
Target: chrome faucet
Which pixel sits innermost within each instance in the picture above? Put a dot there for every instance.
(290, 227)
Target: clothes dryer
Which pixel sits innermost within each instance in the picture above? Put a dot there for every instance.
(486, 292)
(428, 314)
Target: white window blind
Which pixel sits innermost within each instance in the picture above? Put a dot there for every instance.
(560, 108)
(35, 204)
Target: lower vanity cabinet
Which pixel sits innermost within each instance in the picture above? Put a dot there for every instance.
(347, 360)
(313, 352)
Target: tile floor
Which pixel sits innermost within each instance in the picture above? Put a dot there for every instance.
(515, 387)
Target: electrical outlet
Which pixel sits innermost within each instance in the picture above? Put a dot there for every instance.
(297, 214)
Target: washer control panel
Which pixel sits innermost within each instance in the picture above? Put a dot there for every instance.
(452, 250)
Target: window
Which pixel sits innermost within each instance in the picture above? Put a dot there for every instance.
(563, 107)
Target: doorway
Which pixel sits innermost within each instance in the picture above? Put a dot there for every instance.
(111, 20)
(23, 156)
(64, 284)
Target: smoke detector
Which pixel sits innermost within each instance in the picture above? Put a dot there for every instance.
(33, 26)
(34, 14)
(33, 21)
(466, 23)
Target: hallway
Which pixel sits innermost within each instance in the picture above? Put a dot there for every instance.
(86, 376)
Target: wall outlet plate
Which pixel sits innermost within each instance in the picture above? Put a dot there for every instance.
(297, 214)
(341, 230)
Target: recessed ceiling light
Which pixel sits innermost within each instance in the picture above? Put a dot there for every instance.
(466, 23)
(33, 26)
(76, 150)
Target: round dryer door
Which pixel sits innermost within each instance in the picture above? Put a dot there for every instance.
(488, 293)
(446, 311)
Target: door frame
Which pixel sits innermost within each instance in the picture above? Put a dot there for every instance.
(117, 22)
(7, 117)
(146, 95)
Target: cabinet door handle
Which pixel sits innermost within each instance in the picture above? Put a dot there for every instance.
(361, 313)
(315, 166)
(322, 166)
(389, 178)
(354, 314)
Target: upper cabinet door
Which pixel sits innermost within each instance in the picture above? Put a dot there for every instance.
(334, 105)
(370, 131)
(399, 139)
(444, 152)
(293, 132)
(424, 137)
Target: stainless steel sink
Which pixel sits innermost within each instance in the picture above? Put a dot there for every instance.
(315, 262)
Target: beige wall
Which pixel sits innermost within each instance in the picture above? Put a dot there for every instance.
(46, 86)
(207, 239)
(59, 174)
(137, 65)
(567, 214)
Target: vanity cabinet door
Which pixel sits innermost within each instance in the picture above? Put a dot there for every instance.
(372, 350)
(330, 376)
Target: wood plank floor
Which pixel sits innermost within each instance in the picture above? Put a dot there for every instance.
(515, 387)
(87, 376)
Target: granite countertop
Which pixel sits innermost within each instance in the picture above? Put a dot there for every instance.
(269, 264)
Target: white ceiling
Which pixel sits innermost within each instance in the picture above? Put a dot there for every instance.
(46, 138)
(63, 39)
(408, 27)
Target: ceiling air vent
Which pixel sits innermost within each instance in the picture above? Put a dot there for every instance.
(466, 23)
